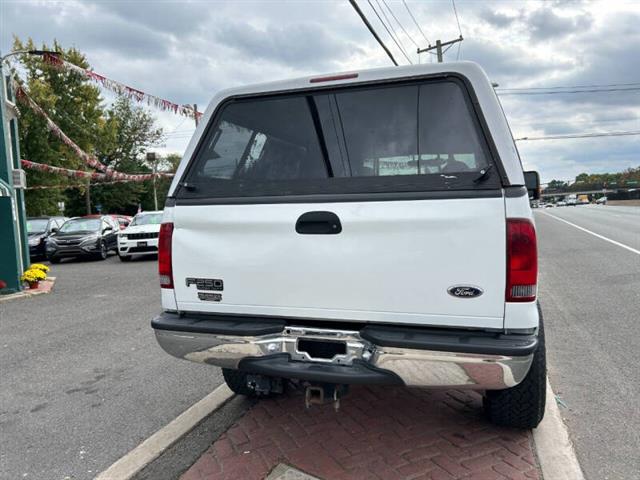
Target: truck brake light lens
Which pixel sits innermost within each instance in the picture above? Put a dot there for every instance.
(333, 78)
(522, 261)
(164, 255)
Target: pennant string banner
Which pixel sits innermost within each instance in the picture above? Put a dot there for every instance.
(88, 159)
(95, 176)
(122, 89)
(74, 185)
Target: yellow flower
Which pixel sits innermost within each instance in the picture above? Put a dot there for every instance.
(33, 275)
(39, 266)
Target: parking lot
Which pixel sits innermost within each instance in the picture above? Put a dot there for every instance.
(83, 381)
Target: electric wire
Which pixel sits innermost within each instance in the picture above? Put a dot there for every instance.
(400, 24)
(416, 22)
(387, 29)
(559, 92)
(581, 135)
(596, 85)
(455, 11)
(372, 30)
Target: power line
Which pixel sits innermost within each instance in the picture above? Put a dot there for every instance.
(388, 31)
(400, 24)
(414, 21)
(372, 30)
(574, 86)
(559, 92)
(453, 2)
(581, 135)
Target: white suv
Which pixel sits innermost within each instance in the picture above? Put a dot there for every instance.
(371, 227)
(141, 235)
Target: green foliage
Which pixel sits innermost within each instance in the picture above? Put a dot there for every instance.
(629, 178)
(119, 135)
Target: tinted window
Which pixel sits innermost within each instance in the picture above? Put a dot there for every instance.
(410, 130)
(449, 139)
(419, 137)
(261, 141)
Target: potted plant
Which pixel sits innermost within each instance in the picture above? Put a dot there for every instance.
(39, 266)
(33, 277)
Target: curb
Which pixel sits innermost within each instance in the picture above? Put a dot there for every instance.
(553, 446)
(138, 458)
(47, 287)
(133, 462)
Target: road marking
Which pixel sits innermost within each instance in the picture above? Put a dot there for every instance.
(627, 247)
(138, 458)
(555, 451)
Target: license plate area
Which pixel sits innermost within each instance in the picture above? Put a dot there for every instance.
(142, 244)
(321, 349)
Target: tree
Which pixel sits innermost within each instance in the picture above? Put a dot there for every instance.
(556, 186)
(118, 135)
(129, 132)
(73, 104)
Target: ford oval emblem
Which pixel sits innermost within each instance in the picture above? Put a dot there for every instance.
(465, 291)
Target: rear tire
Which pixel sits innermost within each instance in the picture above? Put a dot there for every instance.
(522, 406)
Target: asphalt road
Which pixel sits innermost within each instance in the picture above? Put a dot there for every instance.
(82, 380)
(590, 296)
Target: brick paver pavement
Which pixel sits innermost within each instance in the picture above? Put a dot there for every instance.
(379, 433)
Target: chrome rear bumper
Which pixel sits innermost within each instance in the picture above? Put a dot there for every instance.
(409, 366)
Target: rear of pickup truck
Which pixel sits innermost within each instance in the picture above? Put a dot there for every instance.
(365, 228)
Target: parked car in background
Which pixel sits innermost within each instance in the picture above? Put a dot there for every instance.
(91, 236)
(601, 201)
(561, 203)
(38, 230)
(141, 236)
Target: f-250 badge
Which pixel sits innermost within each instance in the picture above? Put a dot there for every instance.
(205, 283)
(465, 291)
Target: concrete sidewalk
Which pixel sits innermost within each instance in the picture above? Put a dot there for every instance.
(379, 433)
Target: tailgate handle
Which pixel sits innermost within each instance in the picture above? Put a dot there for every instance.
(318, 223)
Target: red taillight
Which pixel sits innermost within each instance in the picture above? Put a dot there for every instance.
(331, 78)
(164, 255)
(522, 261)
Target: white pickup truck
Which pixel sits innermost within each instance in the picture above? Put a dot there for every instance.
(371, 227)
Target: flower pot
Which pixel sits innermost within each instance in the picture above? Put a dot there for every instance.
(33, 285)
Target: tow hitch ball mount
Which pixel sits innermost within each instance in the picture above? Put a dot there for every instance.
(324, 393)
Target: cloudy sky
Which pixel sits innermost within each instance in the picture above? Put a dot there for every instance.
(185, 51)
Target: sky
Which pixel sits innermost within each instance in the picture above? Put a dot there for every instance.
(186, 51)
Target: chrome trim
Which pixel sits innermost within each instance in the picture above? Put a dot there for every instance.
(420, 368)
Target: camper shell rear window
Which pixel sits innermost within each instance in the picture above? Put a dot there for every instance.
(398, 137)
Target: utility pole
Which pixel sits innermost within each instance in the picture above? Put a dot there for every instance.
(151, 158)
(87, 197)
(195, 115)
(438, 47)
